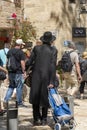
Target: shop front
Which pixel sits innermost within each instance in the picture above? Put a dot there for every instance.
(5, 36)
(79, 37)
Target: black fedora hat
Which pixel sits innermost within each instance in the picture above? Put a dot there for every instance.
(47, 37)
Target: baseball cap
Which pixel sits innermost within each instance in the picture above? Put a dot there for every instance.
(19, 42)
(71, 44)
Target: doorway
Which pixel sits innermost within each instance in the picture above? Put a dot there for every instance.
(81, 46)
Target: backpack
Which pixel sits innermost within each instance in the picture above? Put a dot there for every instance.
(66, 63)
(11, 64)
(2, 73)
(1, 62)
(83, 66)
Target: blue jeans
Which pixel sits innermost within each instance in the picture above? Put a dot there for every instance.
(18, 84)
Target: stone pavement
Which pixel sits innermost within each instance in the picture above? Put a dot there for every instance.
(25, 117)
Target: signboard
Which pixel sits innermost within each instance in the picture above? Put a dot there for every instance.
(78, 32)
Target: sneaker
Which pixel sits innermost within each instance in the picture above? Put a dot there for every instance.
(57, 126)
(22, 105)
(2, 112)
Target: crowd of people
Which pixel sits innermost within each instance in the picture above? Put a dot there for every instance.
(43, 61)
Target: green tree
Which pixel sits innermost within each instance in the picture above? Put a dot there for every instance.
(26, 31)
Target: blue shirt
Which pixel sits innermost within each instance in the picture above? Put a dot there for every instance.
(3, 55)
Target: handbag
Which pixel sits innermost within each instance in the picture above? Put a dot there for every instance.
(2, 75)
(28, 80)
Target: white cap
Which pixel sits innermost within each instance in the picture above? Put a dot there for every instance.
(19, 42)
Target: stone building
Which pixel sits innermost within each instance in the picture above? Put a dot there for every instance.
(60, 17)
(11, 11)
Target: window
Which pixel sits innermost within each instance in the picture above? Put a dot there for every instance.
(17, 3)
(80, 46)
(71, 1)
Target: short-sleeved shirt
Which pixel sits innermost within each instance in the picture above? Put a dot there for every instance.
(74, 57)
(3, 55)
(19, 56)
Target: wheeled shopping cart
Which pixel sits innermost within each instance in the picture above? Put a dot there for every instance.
(61, 112)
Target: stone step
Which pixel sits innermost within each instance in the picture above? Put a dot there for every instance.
(35, 128)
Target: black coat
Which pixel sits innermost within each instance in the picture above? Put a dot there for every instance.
(44, 59)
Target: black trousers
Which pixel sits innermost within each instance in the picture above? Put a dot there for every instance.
(82, 85)
(39, 112)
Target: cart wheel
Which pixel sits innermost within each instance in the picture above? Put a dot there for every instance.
(57, 126)
(73, 128)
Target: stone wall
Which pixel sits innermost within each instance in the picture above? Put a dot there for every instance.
(7, 8)
(55, 15)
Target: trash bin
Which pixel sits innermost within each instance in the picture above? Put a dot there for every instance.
(12, 116)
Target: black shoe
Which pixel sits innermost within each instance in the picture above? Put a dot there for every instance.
(2, 112)
(37, 122)
(44, 122)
